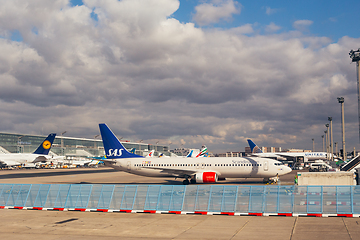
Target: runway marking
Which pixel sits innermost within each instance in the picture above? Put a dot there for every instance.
(240, 229)
(293, 229)
(346, 228)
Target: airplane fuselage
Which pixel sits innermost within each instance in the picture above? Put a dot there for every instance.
(284, 155)
(13, 159)
(224, 167)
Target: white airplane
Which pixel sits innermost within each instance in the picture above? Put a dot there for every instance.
(206, 170)
(256, 151)
(40, 154)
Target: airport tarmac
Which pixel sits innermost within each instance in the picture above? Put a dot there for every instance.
(37, 224)
(106, 175)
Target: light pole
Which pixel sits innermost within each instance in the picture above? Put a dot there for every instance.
(355, 57)
(336, 150)
(313, 145)
(331, 139)
(62, 143)
(322, 136)
(341, 101)
(327, 141)
(20, 150)
(95, 146)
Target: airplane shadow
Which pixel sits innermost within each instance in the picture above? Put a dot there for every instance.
(24, 174)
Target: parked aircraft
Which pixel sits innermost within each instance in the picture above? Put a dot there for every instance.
(205, 170)
(256, 151)
(40, 154)
(202, 153)
(151, 153)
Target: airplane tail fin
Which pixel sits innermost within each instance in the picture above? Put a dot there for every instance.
(254, 148)
(132, 150)
(151, 153)
(45, 146)
(190, 153)
(112, 145)
(202, 152)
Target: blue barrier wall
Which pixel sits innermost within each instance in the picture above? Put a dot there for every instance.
(181, 198)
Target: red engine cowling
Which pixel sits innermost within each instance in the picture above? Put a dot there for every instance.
(206, 177)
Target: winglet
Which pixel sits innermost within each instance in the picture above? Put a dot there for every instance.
(113, 147)
(45, 146)
(254, 148)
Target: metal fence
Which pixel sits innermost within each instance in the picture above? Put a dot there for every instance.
(181, 199)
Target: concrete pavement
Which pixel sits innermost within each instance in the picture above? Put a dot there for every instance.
(34, 224)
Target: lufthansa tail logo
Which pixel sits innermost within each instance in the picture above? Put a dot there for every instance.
(115, 152)
(46, 144)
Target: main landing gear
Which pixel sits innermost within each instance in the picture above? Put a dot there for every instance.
(187, 182)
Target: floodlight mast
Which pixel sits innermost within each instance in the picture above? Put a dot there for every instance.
(341, 101)
(331, 140)
(355, 56)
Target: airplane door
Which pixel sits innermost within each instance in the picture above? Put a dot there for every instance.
(266, 165)
(128, 165)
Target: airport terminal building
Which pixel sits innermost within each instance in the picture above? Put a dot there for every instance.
(69, 146)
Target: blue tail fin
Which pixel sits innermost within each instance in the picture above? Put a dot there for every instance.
(113, 147)
(253, 147)
(45, 146)
(190, 153)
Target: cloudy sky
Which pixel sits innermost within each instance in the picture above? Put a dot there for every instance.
(189, 73)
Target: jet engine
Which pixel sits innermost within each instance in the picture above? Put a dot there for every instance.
(206, 177)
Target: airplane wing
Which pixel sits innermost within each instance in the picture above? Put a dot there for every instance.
(286, 156)
(175, 172)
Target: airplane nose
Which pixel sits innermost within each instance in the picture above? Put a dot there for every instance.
(287, 170)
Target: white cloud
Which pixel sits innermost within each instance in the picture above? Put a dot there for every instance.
(270, 11)
(272, 27)
(215, 11)
(302, 25)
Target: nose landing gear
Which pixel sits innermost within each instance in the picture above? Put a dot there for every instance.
(272, 180)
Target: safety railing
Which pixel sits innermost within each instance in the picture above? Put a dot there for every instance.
(181, 199)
